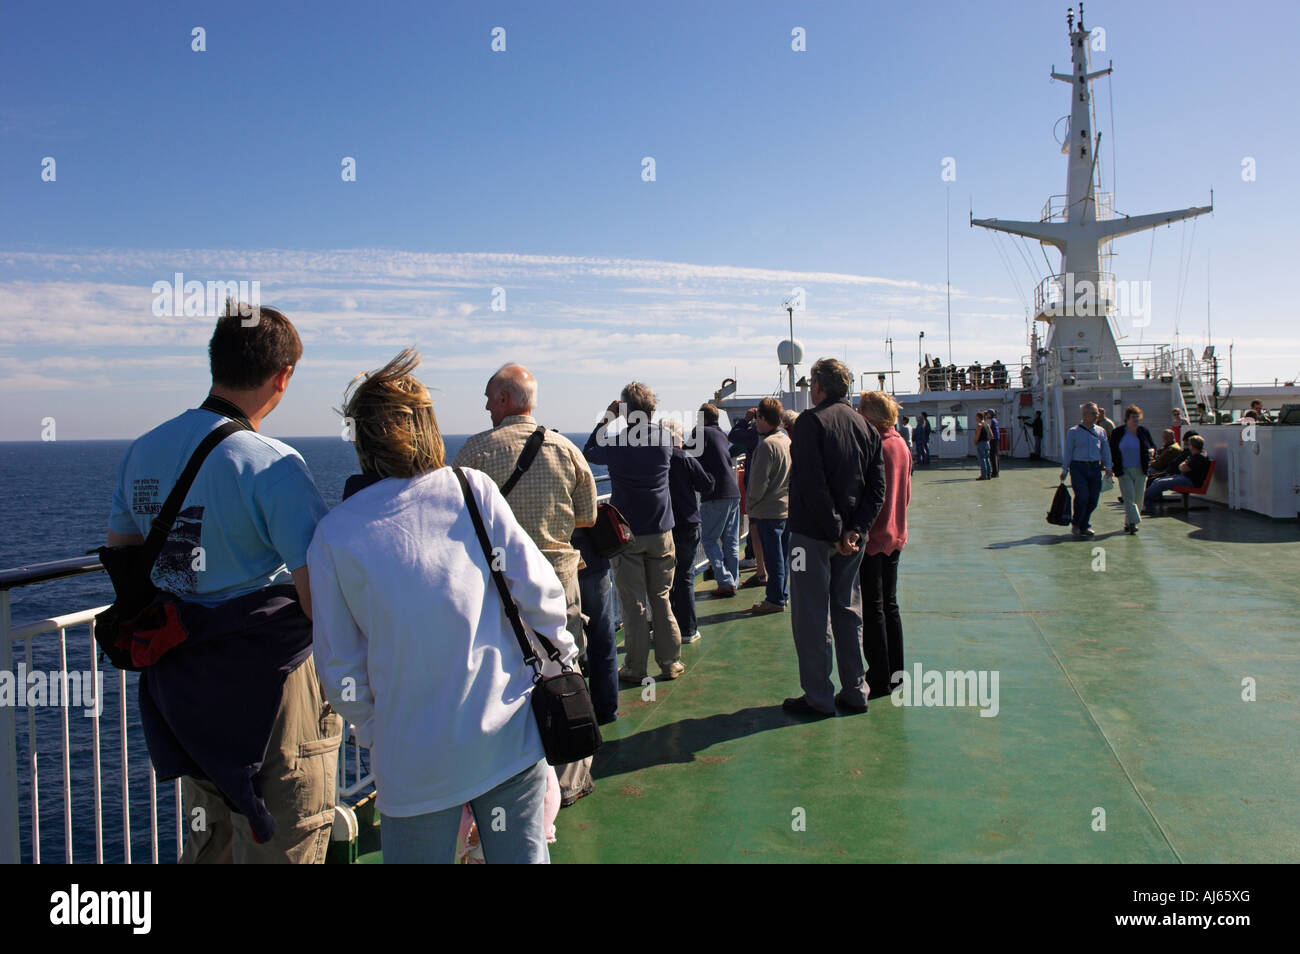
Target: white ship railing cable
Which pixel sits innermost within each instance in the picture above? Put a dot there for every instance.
(10, 808)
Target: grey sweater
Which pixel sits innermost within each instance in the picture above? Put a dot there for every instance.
(767, 478)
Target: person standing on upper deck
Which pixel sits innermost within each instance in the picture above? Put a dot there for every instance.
(720, 510)
(236, 709)
(769, 503)
(995, 440)
(837, 487)
(746, 436)
(1105, 423)
(1036, 428)
(639, 458)
(1131, 451)
(882, 626)
(686, 481)
(921, 437)
(1086, 455)
(554, 494)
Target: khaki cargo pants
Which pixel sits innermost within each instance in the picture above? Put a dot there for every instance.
(299, 784)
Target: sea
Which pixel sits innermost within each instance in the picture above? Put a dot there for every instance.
(55, 505)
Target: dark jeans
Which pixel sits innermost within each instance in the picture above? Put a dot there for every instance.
(882, 625)
(775, 537)
(1085, 481)
(923, 452)
(993, 457)
(682, 596)
(597, 591)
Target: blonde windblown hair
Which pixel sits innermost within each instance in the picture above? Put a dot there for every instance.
(878, 408)
(394, 429)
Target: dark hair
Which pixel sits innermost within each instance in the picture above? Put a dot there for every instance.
(769, 409)
(832, 377)
(1197, 441)
(1132, 409)
(710, 413)
(251, 343)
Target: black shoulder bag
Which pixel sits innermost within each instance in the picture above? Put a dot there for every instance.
(561, 704)
(130, 567)
(535, 441)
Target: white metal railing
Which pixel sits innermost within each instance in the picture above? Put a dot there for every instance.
(10, 808)
(1055, 208)
(1096, 295)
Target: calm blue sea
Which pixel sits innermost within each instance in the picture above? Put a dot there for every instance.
(54, 504)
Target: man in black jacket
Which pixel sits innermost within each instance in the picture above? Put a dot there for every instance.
(837, 486)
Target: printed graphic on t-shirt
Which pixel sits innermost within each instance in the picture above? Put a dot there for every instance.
(144, 496)
(177, 568)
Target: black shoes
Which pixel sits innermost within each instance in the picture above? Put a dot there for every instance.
(850, 707)
(800, 706)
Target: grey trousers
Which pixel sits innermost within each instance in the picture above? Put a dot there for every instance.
(826, 610)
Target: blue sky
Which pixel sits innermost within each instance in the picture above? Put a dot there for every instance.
(523, 169)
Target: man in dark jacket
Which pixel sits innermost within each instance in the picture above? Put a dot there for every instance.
(837, 486)
(719, 510)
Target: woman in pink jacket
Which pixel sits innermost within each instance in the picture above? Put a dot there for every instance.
(882, 627)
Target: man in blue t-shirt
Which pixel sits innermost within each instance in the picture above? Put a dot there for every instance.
(236, 709)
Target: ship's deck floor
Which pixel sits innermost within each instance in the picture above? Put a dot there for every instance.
(1120, 689)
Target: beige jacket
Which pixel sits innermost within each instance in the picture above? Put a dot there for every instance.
(767, 478)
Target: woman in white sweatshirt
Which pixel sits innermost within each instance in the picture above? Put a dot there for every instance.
(413, 644)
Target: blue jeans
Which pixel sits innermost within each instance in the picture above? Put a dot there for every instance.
(601, 628)
(720, 537)
(686, 540)
(982, 452)
(1085, 481)
(430, 839)
(775, 536)
(1162, 484)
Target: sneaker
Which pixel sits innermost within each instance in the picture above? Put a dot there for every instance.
(1090, 532)
(630, 677)
(800, 706)
(763, 607)
(693, 638)
(748, 564)
(672, 671)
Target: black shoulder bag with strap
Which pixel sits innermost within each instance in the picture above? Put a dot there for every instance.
(535, 441)
(562, 705)
(130, 567)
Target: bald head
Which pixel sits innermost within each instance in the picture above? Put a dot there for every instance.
(512, 390)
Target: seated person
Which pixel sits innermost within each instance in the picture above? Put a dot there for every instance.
(1167, 458)
(1192, 473)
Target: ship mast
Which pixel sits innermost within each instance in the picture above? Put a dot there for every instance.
(1077, 302)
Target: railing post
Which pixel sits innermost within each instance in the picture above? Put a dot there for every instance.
(9, 849)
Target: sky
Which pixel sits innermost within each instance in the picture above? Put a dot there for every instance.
(502, 208)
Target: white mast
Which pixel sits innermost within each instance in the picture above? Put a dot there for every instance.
(1076, 302)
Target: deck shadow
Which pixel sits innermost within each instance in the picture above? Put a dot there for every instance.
(1049, 539)
(678, 742)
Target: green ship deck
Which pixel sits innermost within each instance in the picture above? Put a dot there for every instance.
(1120, 689)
